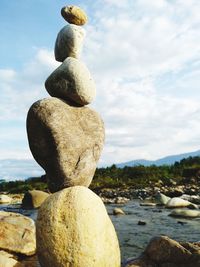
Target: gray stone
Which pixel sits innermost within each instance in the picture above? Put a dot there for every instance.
(69, 42)
(66, 141)
(72, 81)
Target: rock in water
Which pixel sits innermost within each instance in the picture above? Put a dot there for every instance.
(74, 229)
(161, 198)
(66, 141)
(185, 213)
(33, 199)
(118, 211)
(5, 199)
(74, 15)
(69, 42)
(17, 233)
(177, 202)
(72, 81)
(164, 249)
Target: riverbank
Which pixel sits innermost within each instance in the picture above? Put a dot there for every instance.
(133, 237)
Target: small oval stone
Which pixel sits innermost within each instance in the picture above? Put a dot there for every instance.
(74, 15)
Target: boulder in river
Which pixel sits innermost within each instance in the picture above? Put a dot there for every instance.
(161, 198)
(66, 141)
(118, 211)
(163, 249)
(4, 199)
(33, 199)
(165, 252)
(182, 213)
(74, 229)
(17, 233)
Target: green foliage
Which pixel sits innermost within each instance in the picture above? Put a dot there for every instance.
(112, 177)
(23, 186)
(141, 176)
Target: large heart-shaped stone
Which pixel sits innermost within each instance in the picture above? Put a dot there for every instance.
(66, 141)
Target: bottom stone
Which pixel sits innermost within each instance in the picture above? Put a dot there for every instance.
(74, 229)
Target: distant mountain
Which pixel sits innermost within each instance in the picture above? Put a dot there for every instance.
(18, 169)
(169, 160)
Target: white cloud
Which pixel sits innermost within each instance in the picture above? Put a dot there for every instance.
(144, 56)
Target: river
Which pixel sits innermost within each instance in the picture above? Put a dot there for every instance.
(133, 237)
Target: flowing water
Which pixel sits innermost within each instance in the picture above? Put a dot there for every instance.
(133, 237)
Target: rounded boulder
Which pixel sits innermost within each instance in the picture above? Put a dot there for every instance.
(72, 81)
(74, 229)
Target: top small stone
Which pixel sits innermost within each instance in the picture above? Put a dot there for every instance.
(74, 15)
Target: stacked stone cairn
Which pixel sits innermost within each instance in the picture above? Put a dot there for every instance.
(66, 138)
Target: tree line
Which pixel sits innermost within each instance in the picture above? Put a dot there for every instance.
(185, 171)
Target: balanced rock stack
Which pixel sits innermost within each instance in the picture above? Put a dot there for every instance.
(66, 139)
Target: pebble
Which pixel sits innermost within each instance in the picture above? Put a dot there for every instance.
(74, 15)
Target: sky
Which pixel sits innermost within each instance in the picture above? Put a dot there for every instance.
(145, 59)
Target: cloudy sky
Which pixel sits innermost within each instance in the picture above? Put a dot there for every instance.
(144, 56)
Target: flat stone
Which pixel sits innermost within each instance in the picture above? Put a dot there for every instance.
(74, 15)
(74, 229)
(180, 213)
(177, 202)
(66, 141)
(72, 81)
(163, 249)
(17, 233)
(69, 42)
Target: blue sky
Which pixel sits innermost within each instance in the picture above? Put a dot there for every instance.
(144, 56)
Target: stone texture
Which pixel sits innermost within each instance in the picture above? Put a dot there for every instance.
(72, 81)
(185, 213)
(17, 233)
(33, 199)
(7, 259)
(74, 15)
(66, 141)
(69, 42)
(163, 249)
(74, 229)
(5, 199)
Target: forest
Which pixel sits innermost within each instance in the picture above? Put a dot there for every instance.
(183, 172)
